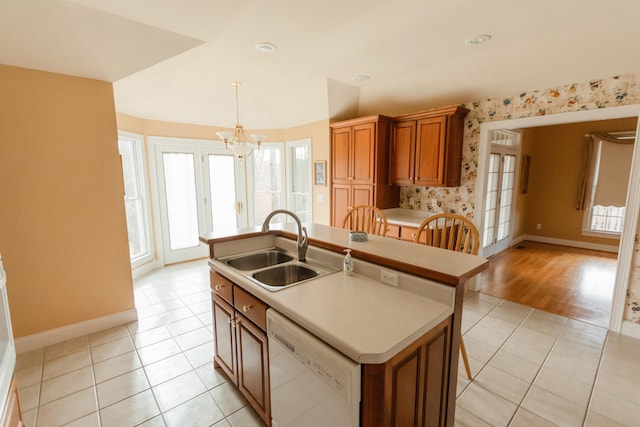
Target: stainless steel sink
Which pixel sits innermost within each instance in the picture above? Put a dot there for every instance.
(275, 268)
(284, 275)
(259, 260)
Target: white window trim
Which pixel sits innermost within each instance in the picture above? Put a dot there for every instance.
(142, 174)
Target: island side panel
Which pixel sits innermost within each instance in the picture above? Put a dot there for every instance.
(413, 387)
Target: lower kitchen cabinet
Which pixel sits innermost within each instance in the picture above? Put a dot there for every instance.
(224, 336)
(404, 232)
(12, 416)
(411, 389)
(241, 343)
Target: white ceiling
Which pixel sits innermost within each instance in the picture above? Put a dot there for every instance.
(175, 60)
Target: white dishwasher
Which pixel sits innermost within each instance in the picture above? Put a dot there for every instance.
(312, 384)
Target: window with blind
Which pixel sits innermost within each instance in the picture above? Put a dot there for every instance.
(610, 169)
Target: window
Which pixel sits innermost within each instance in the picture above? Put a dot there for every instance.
(268, 180)
(280, 178)
(607, 219)
(609, 177)
(299, 183)
(136, 197)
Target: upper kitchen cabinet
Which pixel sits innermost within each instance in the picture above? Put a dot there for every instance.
(426, 147)
(360, 165)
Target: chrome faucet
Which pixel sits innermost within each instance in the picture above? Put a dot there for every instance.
(303, 242)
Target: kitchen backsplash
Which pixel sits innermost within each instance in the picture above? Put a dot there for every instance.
(608, 92)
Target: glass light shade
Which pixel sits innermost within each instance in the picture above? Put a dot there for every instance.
(225, 136)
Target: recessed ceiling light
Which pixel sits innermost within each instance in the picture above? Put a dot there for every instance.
(479, 39)
(265, 47)
(361, 78)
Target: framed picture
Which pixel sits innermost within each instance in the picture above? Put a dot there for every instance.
(319, 172)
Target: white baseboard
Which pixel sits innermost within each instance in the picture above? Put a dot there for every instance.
(631, 329)
(570, 243)
(54, 336)
(143, 269)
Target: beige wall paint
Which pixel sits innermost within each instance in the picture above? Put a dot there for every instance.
(522, 200)
(318, 132)
(556, 151)
(63, 234)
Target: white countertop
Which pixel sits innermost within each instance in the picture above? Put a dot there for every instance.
(408, 217)
(366, 320)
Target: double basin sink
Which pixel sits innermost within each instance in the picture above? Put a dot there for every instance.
(275, 269)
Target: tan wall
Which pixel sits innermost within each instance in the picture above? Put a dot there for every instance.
(63, 234)
(317, 131)
(556, 159)
(522, 199)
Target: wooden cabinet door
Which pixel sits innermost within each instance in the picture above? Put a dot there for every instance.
(341, 199)
(430, 151)
(253, 366)
(412, 388)
(418, 377)
(340, 155)
(363, 154)
(403, 148)
(362, 195)
(224, 336)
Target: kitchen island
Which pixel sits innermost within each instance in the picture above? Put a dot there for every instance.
(405, 335)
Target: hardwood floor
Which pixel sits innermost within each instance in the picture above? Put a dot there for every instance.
(571, 282)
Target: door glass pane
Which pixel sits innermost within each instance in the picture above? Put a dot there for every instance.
(301, 182)
(182, 207)
(268, 183)
(223, 193)
(506, 196)
(492, 199)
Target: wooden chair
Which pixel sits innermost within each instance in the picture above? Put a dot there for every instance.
(450, 231)
(366, 218)
(456, 233)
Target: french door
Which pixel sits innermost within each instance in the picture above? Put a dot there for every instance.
(200, 190)
(501, 192)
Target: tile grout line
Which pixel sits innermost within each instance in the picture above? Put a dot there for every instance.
(595, 379)
(537, 375)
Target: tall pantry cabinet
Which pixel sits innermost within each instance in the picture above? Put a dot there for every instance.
(360, 165)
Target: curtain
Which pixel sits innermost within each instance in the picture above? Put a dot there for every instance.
(606, 166)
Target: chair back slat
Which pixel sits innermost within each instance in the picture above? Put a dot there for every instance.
(366, 218)
(450, 231)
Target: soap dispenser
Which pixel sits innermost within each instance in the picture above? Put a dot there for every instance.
(347, 264)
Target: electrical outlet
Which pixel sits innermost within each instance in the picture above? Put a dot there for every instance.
(539, 226)
(389, 278)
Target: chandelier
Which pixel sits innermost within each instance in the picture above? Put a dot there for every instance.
(236, 141)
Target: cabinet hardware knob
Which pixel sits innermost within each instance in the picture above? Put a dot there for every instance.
(247, 307)
(218, 286)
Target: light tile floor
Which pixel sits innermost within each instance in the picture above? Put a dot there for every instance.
(531, 368)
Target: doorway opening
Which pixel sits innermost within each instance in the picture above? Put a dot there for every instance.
(525, 227)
